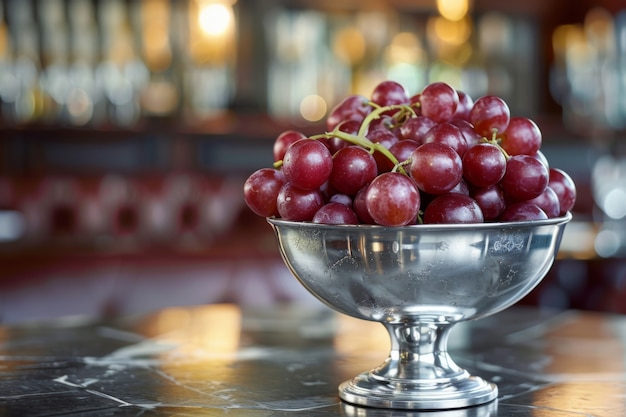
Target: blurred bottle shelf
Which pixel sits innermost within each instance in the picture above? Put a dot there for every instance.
(155, 85)
(123, 92)
(93, 63)
(235, 143)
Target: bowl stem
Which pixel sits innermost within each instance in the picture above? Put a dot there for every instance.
(418, 374)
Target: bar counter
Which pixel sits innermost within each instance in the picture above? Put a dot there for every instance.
(221, 359)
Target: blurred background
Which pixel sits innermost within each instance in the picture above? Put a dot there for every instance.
(127, 128)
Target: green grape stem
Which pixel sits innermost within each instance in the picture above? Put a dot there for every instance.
(400, 116)
(403, 112)
(496, 141)
(364, 143)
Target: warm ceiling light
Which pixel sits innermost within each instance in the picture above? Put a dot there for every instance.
(215, 18)
(453, 9)
(450, 31)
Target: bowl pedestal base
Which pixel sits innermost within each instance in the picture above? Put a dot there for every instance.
(419, 374)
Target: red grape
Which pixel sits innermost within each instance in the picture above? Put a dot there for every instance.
(484, 165)
(392, 199)
(522, 211)
(327, 191)
(453, 208)
(354, 107)
(416, 128)
(307, 164)
(347, 126)
(525, 177)
(461, 188)
(385, 121)
(436, 168)
(489, 115)
(341, 198)
(335, 213)
(283, 141)
(403, 149)
(439, 101)
(464, 107)
(448, 134)
(547, 201)
(490, 200)
(564, 187)
(387, 139)
(389, 93)
(522, 136)
(296, 204)
(261, 189)
(467, 130)
(353, 167)
(414, 101)
(359, 205)
(542, 158)
(461, 161)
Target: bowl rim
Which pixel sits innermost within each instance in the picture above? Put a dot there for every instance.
(275, 221)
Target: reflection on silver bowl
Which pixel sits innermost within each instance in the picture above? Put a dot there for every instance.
(418, 281)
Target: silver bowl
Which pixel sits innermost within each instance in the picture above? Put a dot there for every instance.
(419, 281)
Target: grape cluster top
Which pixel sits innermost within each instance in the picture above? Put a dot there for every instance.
(395, 159)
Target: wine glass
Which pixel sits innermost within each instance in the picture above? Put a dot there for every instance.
(419, 281)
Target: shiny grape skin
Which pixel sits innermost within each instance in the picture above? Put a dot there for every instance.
(335, 213)
(490, 200)
(525, 177)
(484, 165)
(464, 107)
(353, 167)
(307, 164)
(436, 168)
(341, 198)
(467, 130)
(565, 189)
(283, 141)
(522, 211)
(438, 101)
(296, 204)
(354, 107)
(542, 158)
(522, 136)
(461, 188)
(347, 126)
(416, 128)
(548, 201)
(389, 93)
(392, 199)
(490, 114)
(387, 139)
(260, 191)
(442, 115)
(359, 205)
(414, 102)
(403, 149)
(453, 208)
(448, 134)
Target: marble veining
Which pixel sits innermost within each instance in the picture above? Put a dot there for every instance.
(286, 361)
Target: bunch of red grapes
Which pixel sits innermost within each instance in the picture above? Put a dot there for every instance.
(394, 160)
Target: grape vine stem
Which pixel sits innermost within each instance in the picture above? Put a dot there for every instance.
(360, 138)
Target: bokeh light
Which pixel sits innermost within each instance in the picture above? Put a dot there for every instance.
(313, 108)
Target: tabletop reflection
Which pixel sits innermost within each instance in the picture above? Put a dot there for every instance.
(288, 361)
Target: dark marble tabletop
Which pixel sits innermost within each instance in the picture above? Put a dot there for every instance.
(222, 360)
